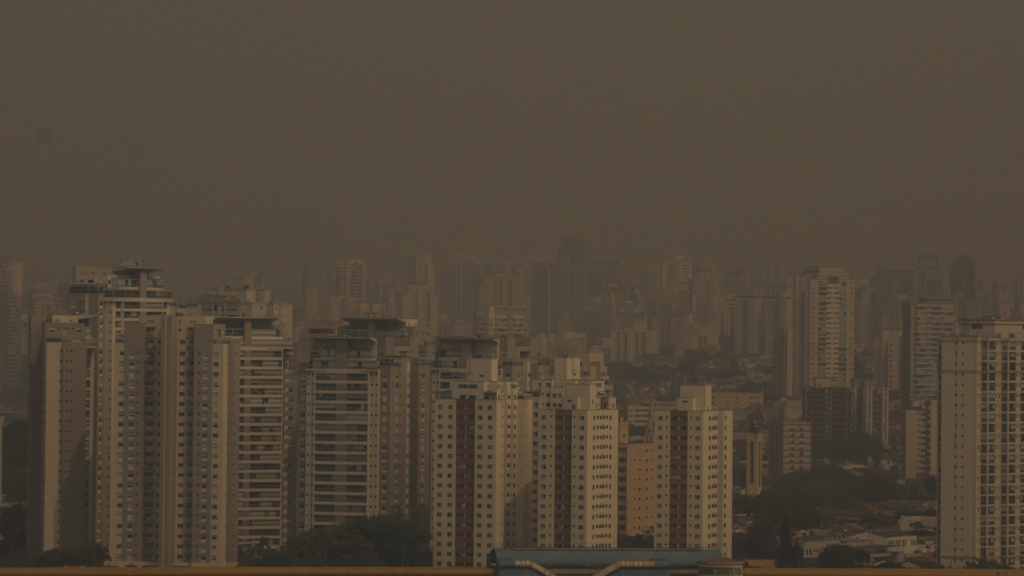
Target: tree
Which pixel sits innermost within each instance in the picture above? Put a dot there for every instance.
(841, 556)
(361, 541)
(759, 541)
(790, 555)
(860, 448)
(13, 530)
(644, 539)
(985, 564)
(15, 463)
(95, 556)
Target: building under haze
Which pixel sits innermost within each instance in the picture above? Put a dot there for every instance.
(980, 448)
(13, 336)
(693, 459)
(823, 328)
(160, 411)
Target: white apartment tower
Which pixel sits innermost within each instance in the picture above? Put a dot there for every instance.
(981, 514)
(575, 466)
(162, 411)
(693, 483)
(481, 429)
(823, 327)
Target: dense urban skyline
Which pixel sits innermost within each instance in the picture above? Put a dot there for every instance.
(458, 283)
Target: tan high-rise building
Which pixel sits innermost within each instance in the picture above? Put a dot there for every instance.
(789, 437)
(756, 442)
(926, 321)
(981, 448)
(481, 462)
(636, 485)
(693, 467)
(576, 469)
(363, 415)
(873, 409)
(164, 410)
(887, 359)
(920, 452)
(823, 327)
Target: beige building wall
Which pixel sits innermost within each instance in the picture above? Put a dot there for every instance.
(693, 484)
(636, 485)
(577, 471)
(736, 400)
(481, 470)
(921, 426)
(981, 455)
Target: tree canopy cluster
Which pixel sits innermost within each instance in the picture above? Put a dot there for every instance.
(361, 541)
(797, 500)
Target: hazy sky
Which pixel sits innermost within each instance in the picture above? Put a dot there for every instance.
(214, 138)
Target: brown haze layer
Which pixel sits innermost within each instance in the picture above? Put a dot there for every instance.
(213, 138)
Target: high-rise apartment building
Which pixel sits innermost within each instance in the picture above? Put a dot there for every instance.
(963, 282)
(890, 288)
(764, 326)
(931, 283)
(420, 303)
(571, 281)
(631, 345)
(831, 408)
(920, 441)
(576, 466)
(481, 475)
(887, 356)
(459, 291)
(636, 485)
(756, 442)
(13, 334)
(161, 410)
(503, 322)
(926, 321)
(823, 327)
(981, 448)
(317, 291)
(541, 291)
(363, 451)
(423, 271)
(872, 409)
(676, 274)
(789, 438)
(264, 407)
(351, 286)
(693, 484)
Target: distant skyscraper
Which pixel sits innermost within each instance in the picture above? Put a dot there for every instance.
(823, 328)
(571, 280)
(458, 293)
(926, 321)
(891, 287)
(675, 275)
(350, 289)
(962, 280)
(930, 280)
(13, 334)
(423, 271)
(316, 292)
(540, 280)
